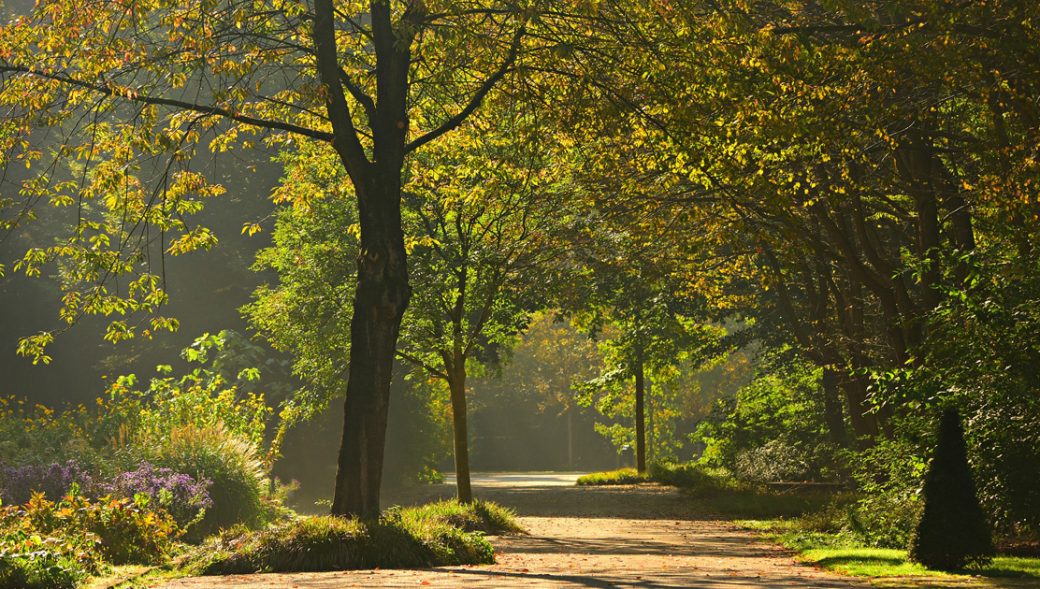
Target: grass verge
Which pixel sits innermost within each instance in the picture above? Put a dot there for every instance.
(443, 533)
(621, 476)
(715, 491)
(841, 554)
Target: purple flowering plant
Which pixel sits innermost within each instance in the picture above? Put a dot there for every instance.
(185, 498)
(18, 483)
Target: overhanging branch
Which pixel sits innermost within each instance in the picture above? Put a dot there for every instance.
(206, 109)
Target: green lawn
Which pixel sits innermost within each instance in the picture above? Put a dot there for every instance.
(839, 554)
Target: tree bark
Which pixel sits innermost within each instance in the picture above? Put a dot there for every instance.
(570, 437)
(457, 385)
(833, 416)
(914, 161)
(380, 300)
(640, 417)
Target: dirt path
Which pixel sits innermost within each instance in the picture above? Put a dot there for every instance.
(609, 537)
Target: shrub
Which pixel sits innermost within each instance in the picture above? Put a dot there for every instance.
(479, 516)
(782, 402)
(122, 531)
(31, 558)
(446, 533)
(621, 476)
(952, 531)
(776, 460)
(230, 463)
(179, 494)
(888, 480)
(35, 567)
(693, 477)
(18, 483)
(56, 545)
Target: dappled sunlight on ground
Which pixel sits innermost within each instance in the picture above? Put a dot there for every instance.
(639, 536)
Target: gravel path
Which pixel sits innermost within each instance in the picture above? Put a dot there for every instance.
(642, 536)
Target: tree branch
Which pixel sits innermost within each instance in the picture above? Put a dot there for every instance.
(477, 98)
(345, 138)
(421, 364)
(206, 109)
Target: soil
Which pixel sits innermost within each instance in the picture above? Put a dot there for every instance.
(639, 536)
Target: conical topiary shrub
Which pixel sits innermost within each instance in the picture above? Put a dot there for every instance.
(952, 531)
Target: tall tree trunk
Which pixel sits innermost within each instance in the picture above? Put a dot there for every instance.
(382, 292)
(380, 300)
(570, 437)
(648, 387)
(914, 161)
(833, 416)
(640, 418)
(457, 384)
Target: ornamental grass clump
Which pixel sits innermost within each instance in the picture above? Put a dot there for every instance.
(238, 480)
(952, 531)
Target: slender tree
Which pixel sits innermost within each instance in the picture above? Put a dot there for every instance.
(485, 219)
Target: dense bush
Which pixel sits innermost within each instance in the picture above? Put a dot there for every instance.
(186, 443)
(952, 531)
(128, 531)
(34, 558)
(776, 460)
(443, 533)
(34, 565)
(774, 427)
(888, 482)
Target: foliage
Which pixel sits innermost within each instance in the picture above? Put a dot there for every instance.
(782, 460)
(116, 531)
(952, 531)
(37, 569)
(178, 494)
(184, 442)
(985, 341)
(31, 558)
(435, 534)
(773, 429)
(888, 477)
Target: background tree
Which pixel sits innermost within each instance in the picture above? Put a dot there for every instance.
(485, 218)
